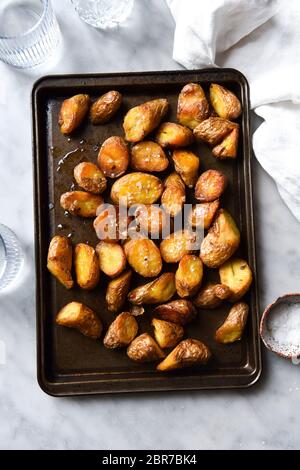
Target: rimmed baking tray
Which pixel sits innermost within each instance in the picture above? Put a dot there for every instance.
(69, 363)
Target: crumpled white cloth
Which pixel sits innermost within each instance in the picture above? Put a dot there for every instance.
(261, 38)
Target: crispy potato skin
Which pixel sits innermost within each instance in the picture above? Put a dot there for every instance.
(90, 178)
(210, 186)
(224, 102)
(211, 296)
(113, 157)
(148, 156)
(186, 163)
(188, 276)
(221, 242)
(237, 275)
(86, 266)
(59, 261)
(112, 259)
(151, 219)
(192, 105)
(105, 107)
(144, 257)
(79, 316)
(110, 225)
(187, 353)
(229, 146)
(232, 329)
(117, 291)
(72, 112)
(121, 331)
(167, 334)
(142, 119)
(170, 134)
(160, 290)
(137, 188)
(144, 349)
(177, 245)
(80, 203)
(203, 214)
(180, 312)
(173, 197)
(213, 130)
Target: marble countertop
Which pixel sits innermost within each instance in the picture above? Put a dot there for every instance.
(264, 417)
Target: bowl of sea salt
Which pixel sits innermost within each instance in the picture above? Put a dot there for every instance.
(280, 326)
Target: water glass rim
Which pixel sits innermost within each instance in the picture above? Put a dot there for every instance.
(35, 26)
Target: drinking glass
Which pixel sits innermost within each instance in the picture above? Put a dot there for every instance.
(103, 13)
(29, 32)
(11, 256)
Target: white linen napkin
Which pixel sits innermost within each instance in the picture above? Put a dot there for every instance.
(261, 38)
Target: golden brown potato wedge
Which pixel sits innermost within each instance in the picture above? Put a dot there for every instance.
(144, 257)
(72, 112)
(173, 197)
(188, 276)
(188, 352)
(86, 266)
(192, 105)
(186, 163)
(177, 245)
(160, 290)
(229, 146)
(121, 331)
(224, 102)
(180, 312)
(59, 260)
(203, 214)
(144, 349)
(112, 259)
(117, 291)
(142, 119)
(82, 318)
(237, 275)
(211, 295)
(81, 203)
(111, 224)
(210, 185)
(148, 156)
(213, 130)
(89, 177)
(221, 242)
(170, 134)
(167, 334)
(151, 220)
(136, 188)
(105, 107)
(232, 328)
(113, 157)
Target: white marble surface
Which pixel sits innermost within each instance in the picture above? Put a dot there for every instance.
(265, 416)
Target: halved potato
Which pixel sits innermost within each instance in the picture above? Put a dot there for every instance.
(188, 352)
(105, 107)
(192, 105)
(117, 291)
(160, 290)
(136, 188)
(170, 134)
(202, 215)
(112, 259)
(213, 130)
(237, 275)
(224, 102)
(59, 261)
(177, 245)
(232, 328)
(173, 197)
(144, 257)
(142, 119)
(229, 146)
(81, 203)
(180, 312)
(111, 223)
(82, 318)
(72, 112)
(113, 157)
(167, 334)
(144, 349)
(148, 156)
(89, 177)
(210, 185)
(86, 266)
(187, 165)
(121, 331)
(188, 276)
(211, 295)
(151, 220)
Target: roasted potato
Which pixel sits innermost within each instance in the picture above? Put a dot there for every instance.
(237, 275)
(177, 245)
(229, 146)
(105, 107)
(170, 134)
(86, 266)
(173, 196)
(167, 334)
(113, 157)
(160, 290)
(136, 188)
(213, 130)
(81, 203)
(137, 310)
(186, 163)
(144, 257)
(151, 220)
(192, 105)
(221, 242)
(111, 224)
(148, 156)
(210, 186)
(112, 259)
(121, 331)
(232, 328)
(82, 318)
(202, 215)
(59, 261)
(72, 112)
(224, 102)
(144, 349)
(188, 352)
(188, 276)
(117, 291)
(89, 177)
(142, 119)
(211, 296)
(180, 311)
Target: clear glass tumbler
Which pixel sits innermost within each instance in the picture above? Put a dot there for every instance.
(29, 32)
(103, 13)
(11, 256)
